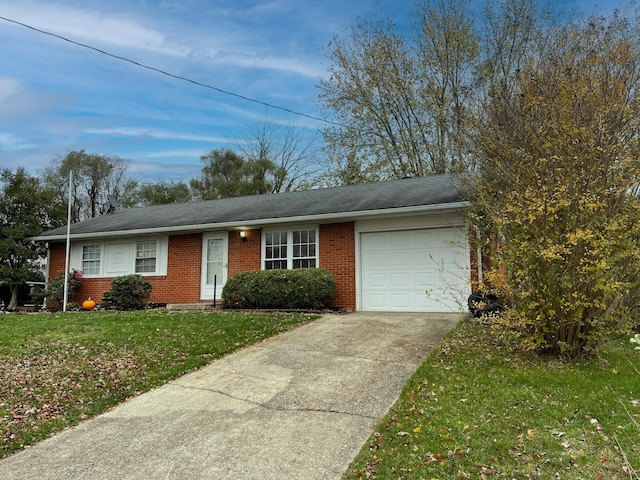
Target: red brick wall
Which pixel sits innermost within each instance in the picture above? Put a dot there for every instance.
(180, 285)
(244, 255)
(338, 256)
(182, 282)
(56, 259)
(184, 265)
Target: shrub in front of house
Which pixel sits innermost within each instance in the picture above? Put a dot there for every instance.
(130, 292)
(55, 288)
(304, 288)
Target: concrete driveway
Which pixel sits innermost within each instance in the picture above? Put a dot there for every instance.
(297, 406)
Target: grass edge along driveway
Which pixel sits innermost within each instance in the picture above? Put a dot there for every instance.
(479, 409)
(58, 369)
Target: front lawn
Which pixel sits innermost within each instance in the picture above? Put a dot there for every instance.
(57, 369)
(480, 409)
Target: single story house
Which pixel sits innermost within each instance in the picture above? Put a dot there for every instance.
(392, 246)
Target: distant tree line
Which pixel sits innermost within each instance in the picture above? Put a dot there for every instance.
(270, 159)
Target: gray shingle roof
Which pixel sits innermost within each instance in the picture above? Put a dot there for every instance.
(346, 202)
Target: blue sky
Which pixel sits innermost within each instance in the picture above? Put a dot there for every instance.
(56, 96)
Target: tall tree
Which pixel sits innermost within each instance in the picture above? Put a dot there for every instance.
(400, 100)
(447, 51)
(26, 209)
(287, 147)
(162, 192)
(226, 174)
(559, 163)
(372, 93)
(95, 178)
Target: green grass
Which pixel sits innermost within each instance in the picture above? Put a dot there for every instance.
(478, 408)
(57, 369)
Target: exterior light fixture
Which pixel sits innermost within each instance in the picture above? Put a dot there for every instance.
(243, 235)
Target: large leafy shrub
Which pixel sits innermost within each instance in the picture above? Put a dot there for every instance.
(130, 292)
(559, 187)
(279, 289)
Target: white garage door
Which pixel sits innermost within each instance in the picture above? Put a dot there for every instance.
(414, 270)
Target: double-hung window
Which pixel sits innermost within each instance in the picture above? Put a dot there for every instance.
(146, 256)
(291, 249)
(304, 249)
(91, 259)
(275, 250)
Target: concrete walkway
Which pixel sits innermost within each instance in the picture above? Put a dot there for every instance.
(297, 406)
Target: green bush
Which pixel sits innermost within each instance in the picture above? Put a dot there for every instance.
(304, 288)
(55, 287)
(130, 292)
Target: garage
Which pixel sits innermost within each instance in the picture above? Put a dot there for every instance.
(414, 270)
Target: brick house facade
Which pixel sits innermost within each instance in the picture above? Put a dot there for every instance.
(181, 284)
(398, 246)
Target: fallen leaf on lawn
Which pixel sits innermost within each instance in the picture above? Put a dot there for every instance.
(487, 470)
(434, 457)
(416, 430)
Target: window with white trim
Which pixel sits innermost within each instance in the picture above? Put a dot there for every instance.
(91, 259)
(146, 256)
(275, 255)
(291, 249)
(115, 257)
(304, 248)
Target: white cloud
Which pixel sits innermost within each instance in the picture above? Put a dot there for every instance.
(175, 171)
(152, 133)
(90, 26)
(268, 62)
(9, 141)
(9, 87)
(231, 40)
(175, 154)
(18, 101)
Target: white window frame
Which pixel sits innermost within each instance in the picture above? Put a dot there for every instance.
(142, 252)
(269, 245)
(85, 261)
(128, 248)
(289, 258)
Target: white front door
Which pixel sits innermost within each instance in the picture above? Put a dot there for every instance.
(214, 265)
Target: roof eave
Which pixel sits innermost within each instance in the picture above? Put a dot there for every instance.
(322, 218)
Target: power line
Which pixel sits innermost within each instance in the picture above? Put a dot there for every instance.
(163, 72)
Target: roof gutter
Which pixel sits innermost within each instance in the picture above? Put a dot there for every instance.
(325, 217)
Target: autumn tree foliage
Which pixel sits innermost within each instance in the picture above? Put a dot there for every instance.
(163, 192)
(399, 101)
(290, 150)
(227, 174)
(96, 178)
(558, 149)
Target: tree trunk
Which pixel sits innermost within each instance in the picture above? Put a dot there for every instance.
(13, 303)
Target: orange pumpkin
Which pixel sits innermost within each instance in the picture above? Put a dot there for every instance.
(88, 304)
